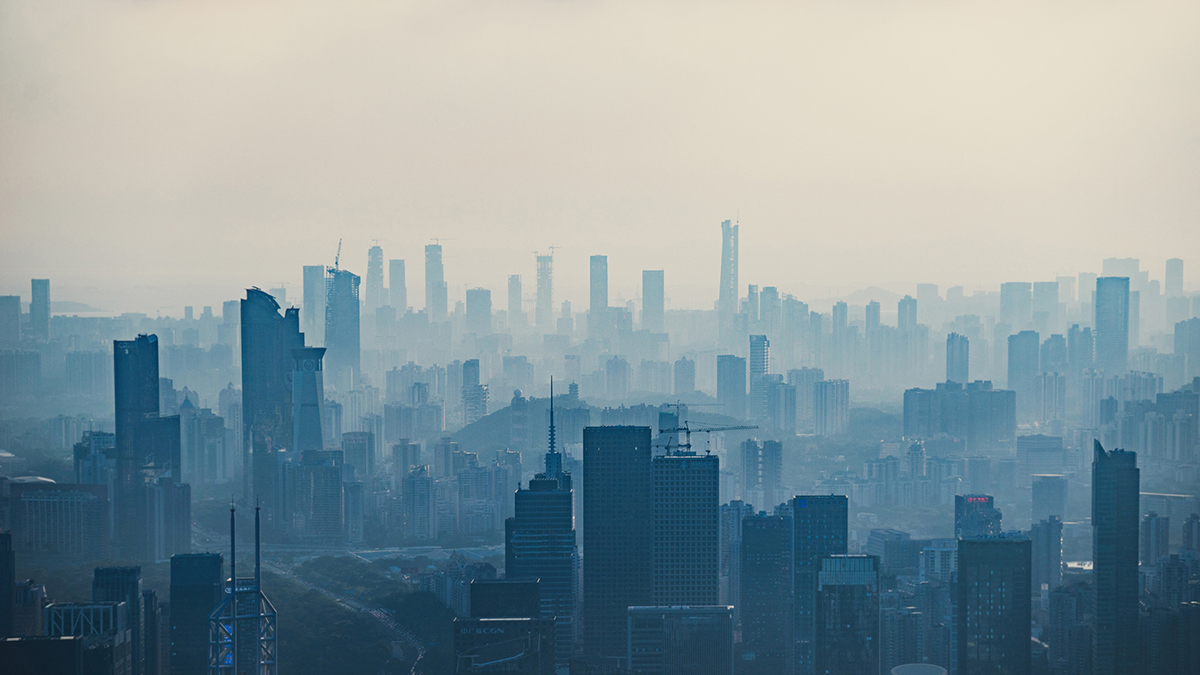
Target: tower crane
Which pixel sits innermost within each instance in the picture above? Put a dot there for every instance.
(672, 435)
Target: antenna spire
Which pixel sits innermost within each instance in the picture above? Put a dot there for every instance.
(553, 458)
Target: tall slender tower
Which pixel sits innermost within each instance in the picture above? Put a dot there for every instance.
(308, 402)
(653, 300)
(1115, 484)
(135, 385)
(342, 336)
(540, 544)
(397, 287)
(598, 288)
(374, 294)
(544, 312)
(435, 283)
(727, 292)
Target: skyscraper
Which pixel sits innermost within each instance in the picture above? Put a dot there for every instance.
(540, 544)
(727, 294)
(847, 615)
(516, 314)
(831, 407)
(374, 290)
(1174, 278)
(1115, 484)
(268, 339)
(342, 340)
(685, 376)
(1023, 359)
(479, 311)
(731, 385)
(10, 320)
(993, 608)
(652, 300)
(435, 283)
(544, 312)
(124, 584)
(686, 547)
(821, 530)
(308, 402)
(618, 535)
(958, 352)
(313, 312)
(39, 311)
(135, 388)
(1045, 306)
(598, 286)
(397, 287)
(1016, 305)
(1112, 325)
(1046, 538)
(196, 590)
(766, 578)
(760, 365)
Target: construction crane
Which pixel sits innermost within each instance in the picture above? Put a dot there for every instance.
(683, 426)
(337, 257)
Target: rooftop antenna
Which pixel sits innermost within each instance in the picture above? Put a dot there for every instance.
(553, 459)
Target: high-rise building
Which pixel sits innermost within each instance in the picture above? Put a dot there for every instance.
(618, 535)
(766, 595)
(1156, 537)
(1174, 278)
(342, 339)
(544, 312)
(821, 529)
(597, 289)
(124, 584)
(1113, 314)
(10, 320)
(731, 385)
(685, 376)
(1049, 497)
(196, 589)
(1023, 359)
(976, 516)
(1046, 538)
(39, 311)
(958, 353)
(373, 297)
(993, 607)
(653, 300)
(308, 401)
(1115, 484)
(268, 339)
(397, 286)
(805, 381)
(540, 544)
(686, 547)
(1045, 306)
(847, 615)
(760, 365)
(479, 311)
(1016, 305)
(831, 407)
(135, 385)
(435, 283)
(313, 312)
(681, 640)
(727, 292)
(516, 313)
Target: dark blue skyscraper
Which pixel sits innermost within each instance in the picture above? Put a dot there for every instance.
(124, 584)
(540, 544)
(308, 401)
(767, 601)
(686, 548)
(993, 607)
(847, 615)
(618, 534)
(135, 390)
(268, 364)
(196, 590)
(1115, 498)
(821, 530)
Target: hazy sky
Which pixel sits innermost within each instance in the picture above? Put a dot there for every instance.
(161, 153)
